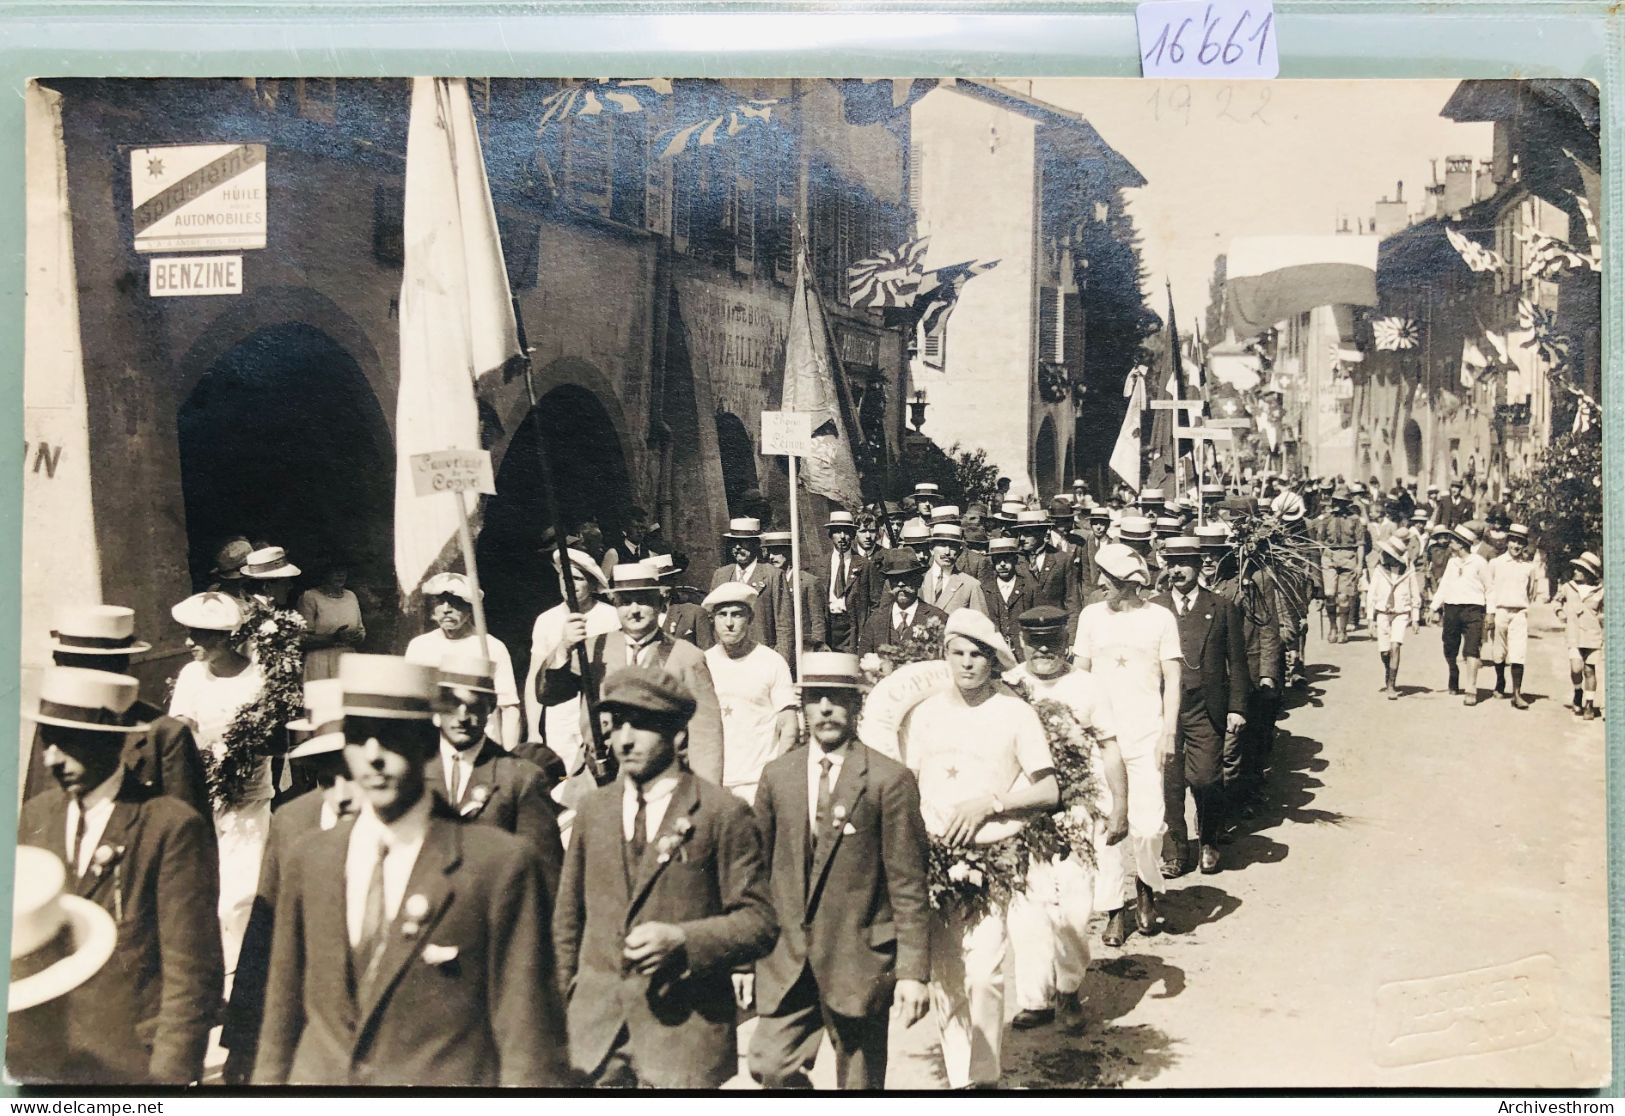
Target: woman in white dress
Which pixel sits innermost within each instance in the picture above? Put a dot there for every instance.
(333, 616)
(210, 691)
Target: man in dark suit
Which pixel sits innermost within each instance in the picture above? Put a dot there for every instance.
(409, 948)
(165, 758)
(640, 642)
(664, 896)
(318, 756)
(846, 605)
(846, 852)
(1055, 576)
(1255, 597)
(772, 621)
(1009, 588)
(147, 860)
(680, 619)
(888, 623)
(481, 782)
(1213, 702)
(777, 550)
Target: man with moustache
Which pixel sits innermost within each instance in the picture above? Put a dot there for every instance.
(846, 605)
(1009, 588)
(409, 948)
(450, 597)
(1055, 577)
(846, 852)
(890, 623)
(664, 897)
(147, 860)
(945, 587)
(773, 622)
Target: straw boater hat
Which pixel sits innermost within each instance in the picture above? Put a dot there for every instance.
(1136, 528)
(1008, 512)
(58, 940)
(928, 491)
(323, 720)
(979, 629)
(1465, 535)
(388, 687)
(945, 513)
(1100, 513)
(92, 700)
(1212, 492)
(775, 540)
(841, 520)
(1289, 506)
(635, 577)
(914, 533)
(1394, 547)
(666, 565)
(1169, 525)
(1518, 531)
(1032, 520)
(1590, 563)
(951, 533)
(997, 548)
(730, 593)
(468, 672)
(228, 561)
(1151, 496)
(1182, 546)
(745, 529)
(831, 670)
(584, 562)
(1212, 536)
(96, 630)
(1420, 515)
(209, 612)
(268, 564)
(450, 585)
(1122, 563)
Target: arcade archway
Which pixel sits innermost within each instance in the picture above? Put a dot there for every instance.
(1046, 465)
(738, 455)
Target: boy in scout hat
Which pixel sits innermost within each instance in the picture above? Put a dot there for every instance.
(1580, 607)
(664, 896)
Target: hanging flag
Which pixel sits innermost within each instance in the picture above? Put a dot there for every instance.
(1269, 279)
(1125, 459)
(1592, 259)
(705, 133)
(1549, 342)
(1393, 335)
(876, 100)
(811, 384)
(604, 96)
(456, 313)
(1473, 362)
(890, 279)
(1162, 450)
(1548, 257)
(939, 291)
(1473, 254)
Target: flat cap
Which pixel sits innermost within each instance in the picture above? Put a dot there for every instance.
(651, 689)
(969, 624)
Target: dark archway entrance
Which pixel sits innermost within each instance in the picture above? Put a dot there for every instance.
(591, 482)
(738, 455)
(282, 440)
(1045, 463)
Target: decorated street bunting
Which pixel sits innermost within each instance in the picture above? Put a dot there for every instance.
(892, 278)
(1393, 335)
(604, 96)
(1473, 254)
(724, 125)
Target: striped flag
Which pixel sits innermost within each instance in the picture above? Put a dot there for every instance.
(456, 313)
(939, 291)
(1473, 254)
(705, 133)
(604, 96)
(1392, 335)
(889, 279)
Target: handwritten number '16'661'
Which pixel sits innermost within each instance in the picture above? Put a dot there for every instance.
(1170, 45)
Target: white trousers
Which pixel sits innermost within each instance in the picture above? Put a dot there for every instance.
(967, 995)
(1049, 925)
(1140, 853)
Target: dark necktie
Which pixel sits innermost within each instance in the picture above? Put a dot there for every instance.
(640, 826)
(78, 833)
(821, 813)
(840, 577)
(373, 921)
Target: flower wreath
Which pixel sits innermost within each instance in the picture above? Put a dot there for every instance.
(257, 730)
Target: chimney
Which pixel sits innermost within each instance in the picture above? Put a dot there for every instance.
(1458, 183)
(1390, 214)
(1484, 182)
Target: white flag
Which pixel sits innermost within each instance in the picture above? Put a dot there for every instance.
(1125, 459)
(810, 368)
(456, 313)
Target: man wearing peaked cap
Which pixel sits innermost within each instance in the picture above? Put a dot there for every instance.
(148, 861)
(165, 757)
(772, 620)
(904, 611)
(664, 897)
(554, 720)
(777, 548)
(945, 586)
(839, 820)
(408, 947)
(640, 642)
(754, 690)
(846, 603)
(450, 600)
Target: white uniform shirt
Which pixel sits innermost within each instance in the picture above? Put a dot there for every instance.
(751, 690)
(1511, 582)
(432, 648)
(815, 756)
(961, 752)
(1127, 653)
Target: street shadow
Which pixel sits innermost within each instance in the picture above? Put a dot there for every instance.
(1095, 1054)
(1407, 691)
(1186, 909)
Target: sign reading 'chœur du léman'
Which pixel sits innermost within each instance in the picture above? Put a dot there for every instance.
(198, 197)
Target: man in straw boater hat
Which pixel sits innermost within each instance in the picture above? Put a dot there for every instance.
(984, 767)
(555, 720)
(638, 641)
(450, 600)
(1009, 588)
(1257, 598)
(945, 587)
(1213, 705)
(268, 574)
(777, 549)
(318, 751)
(1580, 606)
(481, 782)
(679, 619)
(1056, 578)
(1512, 587)
(1459, 606)
(772, 620)
(165, 757)
(147, 860)
(754, 690)
(408, 948)
(926, 497)
(846, 605)
(904, 612)
(1049, 921)
(664, 898)
(58, 941)
(1131, 648)
(845, 848)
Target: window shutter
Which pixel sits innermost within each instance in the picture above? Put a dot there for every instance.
(744, 223)
(934, 346)
(1072, 332)
(916, 176)
(1049, 324)
(784, 211)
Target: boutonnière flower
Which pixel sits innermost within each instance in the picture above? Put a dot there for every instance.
(413, 912)
(839, 816)
(108, 858)
(672, 843)
(478, 796)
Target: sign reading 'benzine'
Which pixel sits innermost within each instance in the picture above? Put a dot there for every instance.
(174, 276)
(198, 197)
(1207, 39)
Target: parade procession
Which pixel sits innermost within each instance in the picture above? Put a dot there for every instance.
(703, 584)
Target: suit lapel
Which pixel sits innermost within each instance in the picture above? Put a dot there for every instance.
(55, 807)
(329, 928)
(483, 774)
(849, 788)
(430, 878)
(799, 825)
(685, 799)
(1203, 607)
(120, 834)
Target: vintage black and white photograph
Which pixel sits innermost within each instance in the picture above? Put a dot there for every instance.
(817, 583)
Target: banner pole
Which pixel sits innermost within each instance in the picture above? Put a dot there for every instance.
(465, 536)
(795, 564)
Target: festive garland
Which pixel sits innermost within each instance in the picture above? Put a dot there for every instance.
(257, 730)
(1054, 382)
(975, 880)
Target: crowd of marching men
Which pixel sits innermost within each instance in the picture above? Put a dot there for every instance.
(590, 876)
